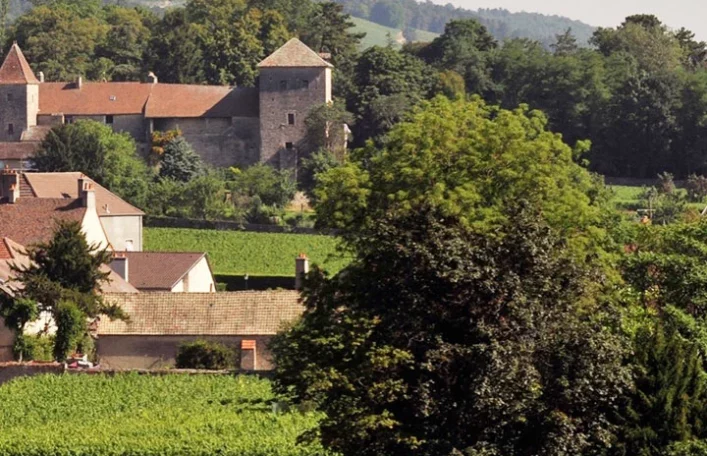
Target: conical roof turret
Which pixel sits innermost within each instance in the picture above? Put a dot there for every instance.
(15, 69)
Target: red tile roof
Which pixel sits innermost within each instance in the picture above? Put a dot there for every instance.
(15, 69)
(17, 150)
(294, 53)
(28, 221)
(65, 185)
(248, 313)
(177, 100)
(93, 98)
(154, 100)
(159, 271)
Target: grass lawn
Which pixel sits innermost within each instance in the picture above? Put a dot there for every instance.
(628, 198)
(240, 252)
(86, 415)
(377, 35)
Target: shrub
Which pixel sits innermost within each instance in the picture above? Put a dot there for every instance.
(696, 188)
(666, 183)
(34, 348)
(203, 354)
(179, 161)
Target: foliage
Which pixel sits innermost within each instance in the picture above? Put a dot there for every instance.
(70, 329)
(666, 183)
(470, 160)
(159, 140)
(496, 353)
(64, 277)
(316, 165)
(29, 347)
(202, 354)
(696, 188)
(147, 415)
(93, 149)
(667, 405)
(273, 187)
(325, 128)
(179, 161)
(235, 252)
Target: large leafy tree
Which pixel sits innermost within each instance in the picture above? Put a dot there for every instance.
(440, 341)
(94, 149)
(470, 160)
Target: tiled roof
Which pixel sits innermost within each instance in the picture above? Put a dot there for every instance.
(93, 98)
(17, 150)
(159, 270)
(249, 313)
(28, 221)
(65, 185)
(294, 53)
(15, 69)
(154, 100)
(177, 100)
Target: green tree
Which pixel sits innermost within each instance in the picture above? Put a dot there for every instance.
(494, 355)
(64, 277)
(179, 161)
(273, 187)
(326, 125)
(95, 150)
(470, 160)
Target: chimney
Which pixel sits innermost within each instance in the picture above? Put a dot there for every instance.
(79, 82)
(152, 78)
(301, 269)
(40, 75)
(119, 265)
(87, 193)
(10, 185)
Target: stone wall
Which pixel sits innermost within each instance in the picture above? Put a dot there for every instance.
(135, 125)
(7, 340)
(11, 371)
(159, 352)
(286, 97)
(219, 142)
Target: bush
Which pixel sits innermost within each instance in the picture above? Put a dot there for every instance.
(696, 188)
(179, 161)
(203, 354)
(34, 348)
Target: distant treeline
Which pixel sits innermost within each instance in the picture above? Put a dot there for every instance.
(502, 24)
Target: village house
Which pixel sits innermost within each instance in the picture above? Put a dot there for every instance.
(227, 126)
(160, 322)
(175, 272)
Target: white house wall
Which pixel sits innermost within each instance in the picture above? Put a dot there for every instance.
(121, 228)
(93, 229)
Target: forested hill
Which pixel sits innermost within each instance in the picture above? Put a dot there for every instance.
(410, 14)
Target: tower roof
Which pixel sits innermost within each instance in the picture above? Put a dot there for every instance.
(294, 53)
(15, 69)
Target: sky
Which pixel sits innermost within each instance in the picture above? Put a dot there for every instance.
(691, 14)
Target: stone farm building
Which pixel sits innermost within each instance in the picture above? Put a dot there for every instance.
(227, 126)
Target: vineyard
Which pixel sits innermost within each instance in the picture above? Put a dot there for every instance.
(238, 252)
(130, 414)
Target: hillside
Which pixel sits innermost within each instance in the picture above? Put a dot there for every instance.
(378, 35)
(410, 14)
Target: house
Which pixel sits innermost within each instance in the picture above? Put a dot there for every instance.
(111, 220)
(165, 271)
(227, 126)
(159, 322)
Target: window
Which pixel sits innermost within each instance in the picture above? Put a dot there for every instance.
(283, 85)
(290, 119)
(289, 146)
(109, 120)
(10, 129)
(9, 97)
(68, 120)
(305, 83)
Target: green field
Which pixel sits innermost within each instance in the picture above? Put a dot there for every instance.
(239, 252)
(628, 198)
(131, 414)
(377, 35)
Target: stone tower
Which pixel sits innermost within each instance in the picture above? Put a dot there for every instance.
(293, 80)
(19, 96)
